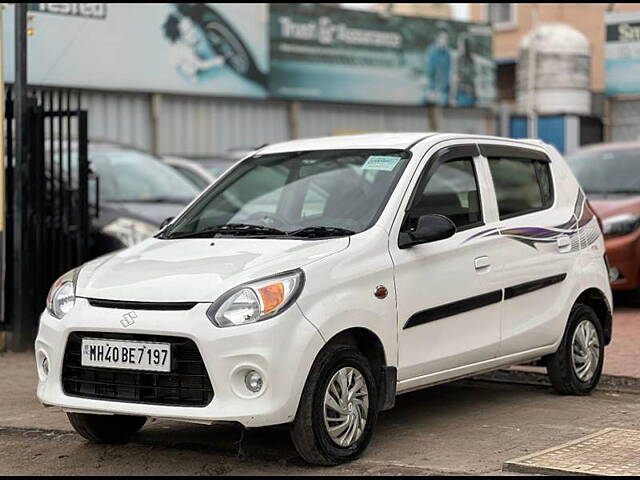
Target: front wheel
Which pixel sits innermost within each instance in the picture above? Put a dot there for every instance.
(576, 367)
(338, 408)
(106, 428)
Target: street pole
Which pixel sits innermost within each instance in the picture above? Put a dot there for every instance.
(3, 261)
(20, 324)
(531, 94)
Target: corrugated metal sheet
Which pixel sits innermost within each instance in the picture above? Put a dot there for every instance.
(318, 119)
(625, 120)
(119, 117)
(465, 120)
(195, 126)
(200, 126)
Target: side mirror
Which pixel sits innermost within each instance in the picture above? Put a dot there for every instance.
(430, 228)
(166, 222)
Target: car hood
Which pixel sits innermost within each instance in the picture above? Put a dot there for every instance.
(614, 205)
(195, 270)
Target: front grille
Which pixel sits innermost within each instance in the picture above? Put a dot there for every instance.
(187, 384)
(125, 305)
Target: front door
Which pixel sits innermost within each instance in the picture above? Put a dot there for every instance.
(448, 296)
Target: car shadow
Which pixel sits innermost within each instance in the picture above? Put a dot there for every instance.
(415, 414)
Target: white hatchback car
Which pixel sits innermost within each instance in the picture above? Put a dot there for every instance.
(317, 279)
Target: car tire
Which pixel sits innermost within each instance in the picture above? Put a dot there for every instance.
(309, 431)
(567, 368)
(106, 428)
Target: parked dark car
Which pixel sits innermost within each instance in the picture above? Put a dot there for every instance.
(136, 192)
(203, 171)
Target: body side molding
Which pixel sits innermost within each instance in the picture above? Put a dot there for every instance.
(453, 308)
(479, 301)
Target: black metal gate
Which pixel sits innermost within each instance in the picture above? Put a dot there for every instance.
(48, 219)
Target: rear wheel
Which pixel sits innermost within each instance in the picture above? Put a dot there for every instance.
(338, 408)
(576, 367)
(106, 428)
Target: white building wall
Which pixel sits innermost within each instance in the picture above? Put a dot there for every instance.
(624, 116)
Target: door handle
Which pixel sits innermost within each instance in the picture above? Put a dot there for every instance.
(482, 263)
(564, 244)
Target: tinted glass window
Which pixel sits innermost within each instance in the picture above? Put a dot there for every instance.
(131, 176)
(193, 177)
(333, 189)
(522, 185)
(128, 176)
(451, 191)
(607, 171)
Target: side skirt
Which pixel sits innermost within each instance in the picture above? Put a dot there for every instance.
(458, 373)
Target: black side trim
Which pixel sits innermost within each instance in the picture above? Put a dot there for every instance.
(532, 286)
(488, 150)
(453, 308)
(125, 305)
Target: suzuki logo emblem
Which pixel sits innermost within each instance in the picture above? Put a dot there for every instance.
(128, 319)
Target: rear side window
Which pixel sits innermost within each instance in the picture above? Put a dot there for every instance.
(522, 185)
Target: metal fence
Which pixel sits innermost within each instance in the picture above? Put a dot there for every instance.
(48, 208)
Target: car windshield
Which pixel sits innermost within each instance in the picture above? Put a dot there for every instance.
(306, 194)
(131, 176)
(607, 171)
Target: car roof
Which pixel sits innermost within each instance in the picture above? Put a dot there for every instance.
(596, 147)
(400, 141)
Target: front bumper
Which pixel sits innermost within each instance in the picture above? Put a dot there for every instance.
(281, 349)
(623, 253)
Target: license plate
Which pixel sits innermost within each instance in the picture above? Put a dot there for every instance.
(126, 354)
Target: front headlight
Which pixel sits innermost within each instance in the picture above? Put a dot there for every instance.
(62, 295)
(256, 301)
(130, 231)
(621, 224)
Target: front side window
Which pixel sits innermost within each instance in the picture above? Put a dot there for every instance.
(522, 185)
(451, 191)
(312, 194)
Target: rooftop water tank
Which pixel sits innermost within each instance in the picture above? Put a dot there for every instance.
(562, 70)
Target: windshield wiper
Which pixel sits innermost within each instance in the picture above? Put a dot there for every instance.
(151, 200)
(235, 229)
(321, 231)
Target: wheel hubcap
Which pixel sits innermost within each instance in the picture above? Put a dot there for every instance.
(346, 406)
(585, 349)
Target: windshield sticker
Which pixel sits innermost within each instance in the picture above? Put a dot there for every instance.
(381, 162)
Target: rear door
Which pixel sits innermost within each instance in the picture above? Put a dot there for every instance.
(538, 245)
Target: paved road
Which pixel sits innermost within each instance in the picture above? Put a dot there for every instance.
(465, 427)
(623, 354)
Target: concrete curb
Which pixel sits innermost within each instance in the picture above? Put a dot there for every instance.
(608, 383)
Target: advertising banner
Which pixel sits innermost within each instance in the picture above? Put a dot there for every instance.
(622, 53)
(296, 51)
(198, 48)
(325, 53)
